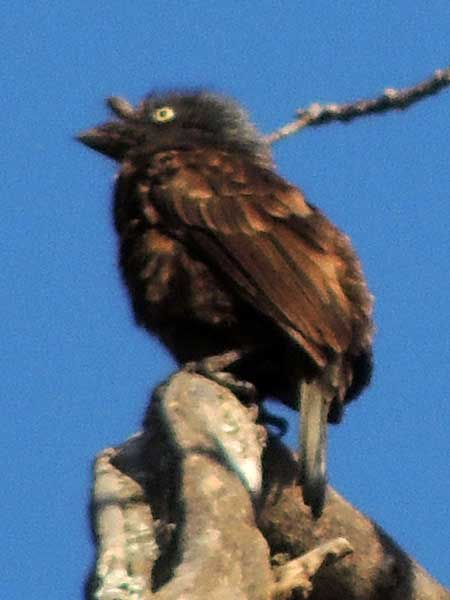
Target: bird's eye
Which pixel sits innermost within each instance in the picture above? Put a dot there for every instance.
(163, 114)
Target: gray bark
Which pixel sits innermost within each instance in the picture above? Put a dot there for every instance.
(178, 513)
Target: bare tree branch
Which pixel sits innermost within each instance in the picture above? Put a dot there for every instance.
(197, 465)
(391, 99)
(297, 573)
(175, 518)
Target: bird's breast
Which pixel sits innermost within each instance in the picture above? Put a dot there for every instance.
(167, 282)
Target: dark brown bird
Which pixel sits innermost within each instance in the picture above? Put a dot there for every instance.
(223, 258)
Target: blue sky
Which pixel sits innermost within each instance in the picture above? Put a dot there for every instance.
(78, 372)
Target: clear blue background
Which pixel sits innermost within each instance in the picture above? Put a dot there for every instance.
(77, 373)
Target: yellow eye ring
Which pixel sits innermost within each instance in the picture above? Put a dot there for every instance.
(163, 114)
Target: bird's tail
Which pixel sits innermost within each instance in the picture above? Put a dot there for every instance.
(313, 443)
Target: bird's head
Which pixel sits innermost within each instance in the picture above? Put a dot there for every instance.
(177, 119)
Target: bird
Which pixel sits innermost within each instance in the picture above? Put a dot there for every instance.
(231, 267)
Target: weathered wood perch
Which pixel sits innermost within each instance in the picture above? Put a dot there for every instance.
(177, 515)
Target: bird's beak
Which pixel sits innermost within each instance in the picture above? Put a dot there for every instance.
(112, 139)
(97, 138)
(90, 137)
(108, 139)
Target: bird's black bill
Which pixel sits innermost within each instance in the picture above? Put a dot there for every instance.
(110, 139)
(91, 138)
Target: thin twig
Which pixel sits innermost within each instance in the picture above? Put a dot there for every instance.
(297, 573)
(391, 99)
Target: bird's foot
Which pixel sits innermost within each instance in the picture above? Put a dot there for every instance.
(267, 418)
(213, 367)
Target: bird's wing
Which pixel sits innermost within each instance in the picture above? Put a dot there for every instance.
(278, 252)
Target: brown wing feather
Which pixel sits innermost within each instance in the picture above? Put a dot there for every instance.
(282, 255)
